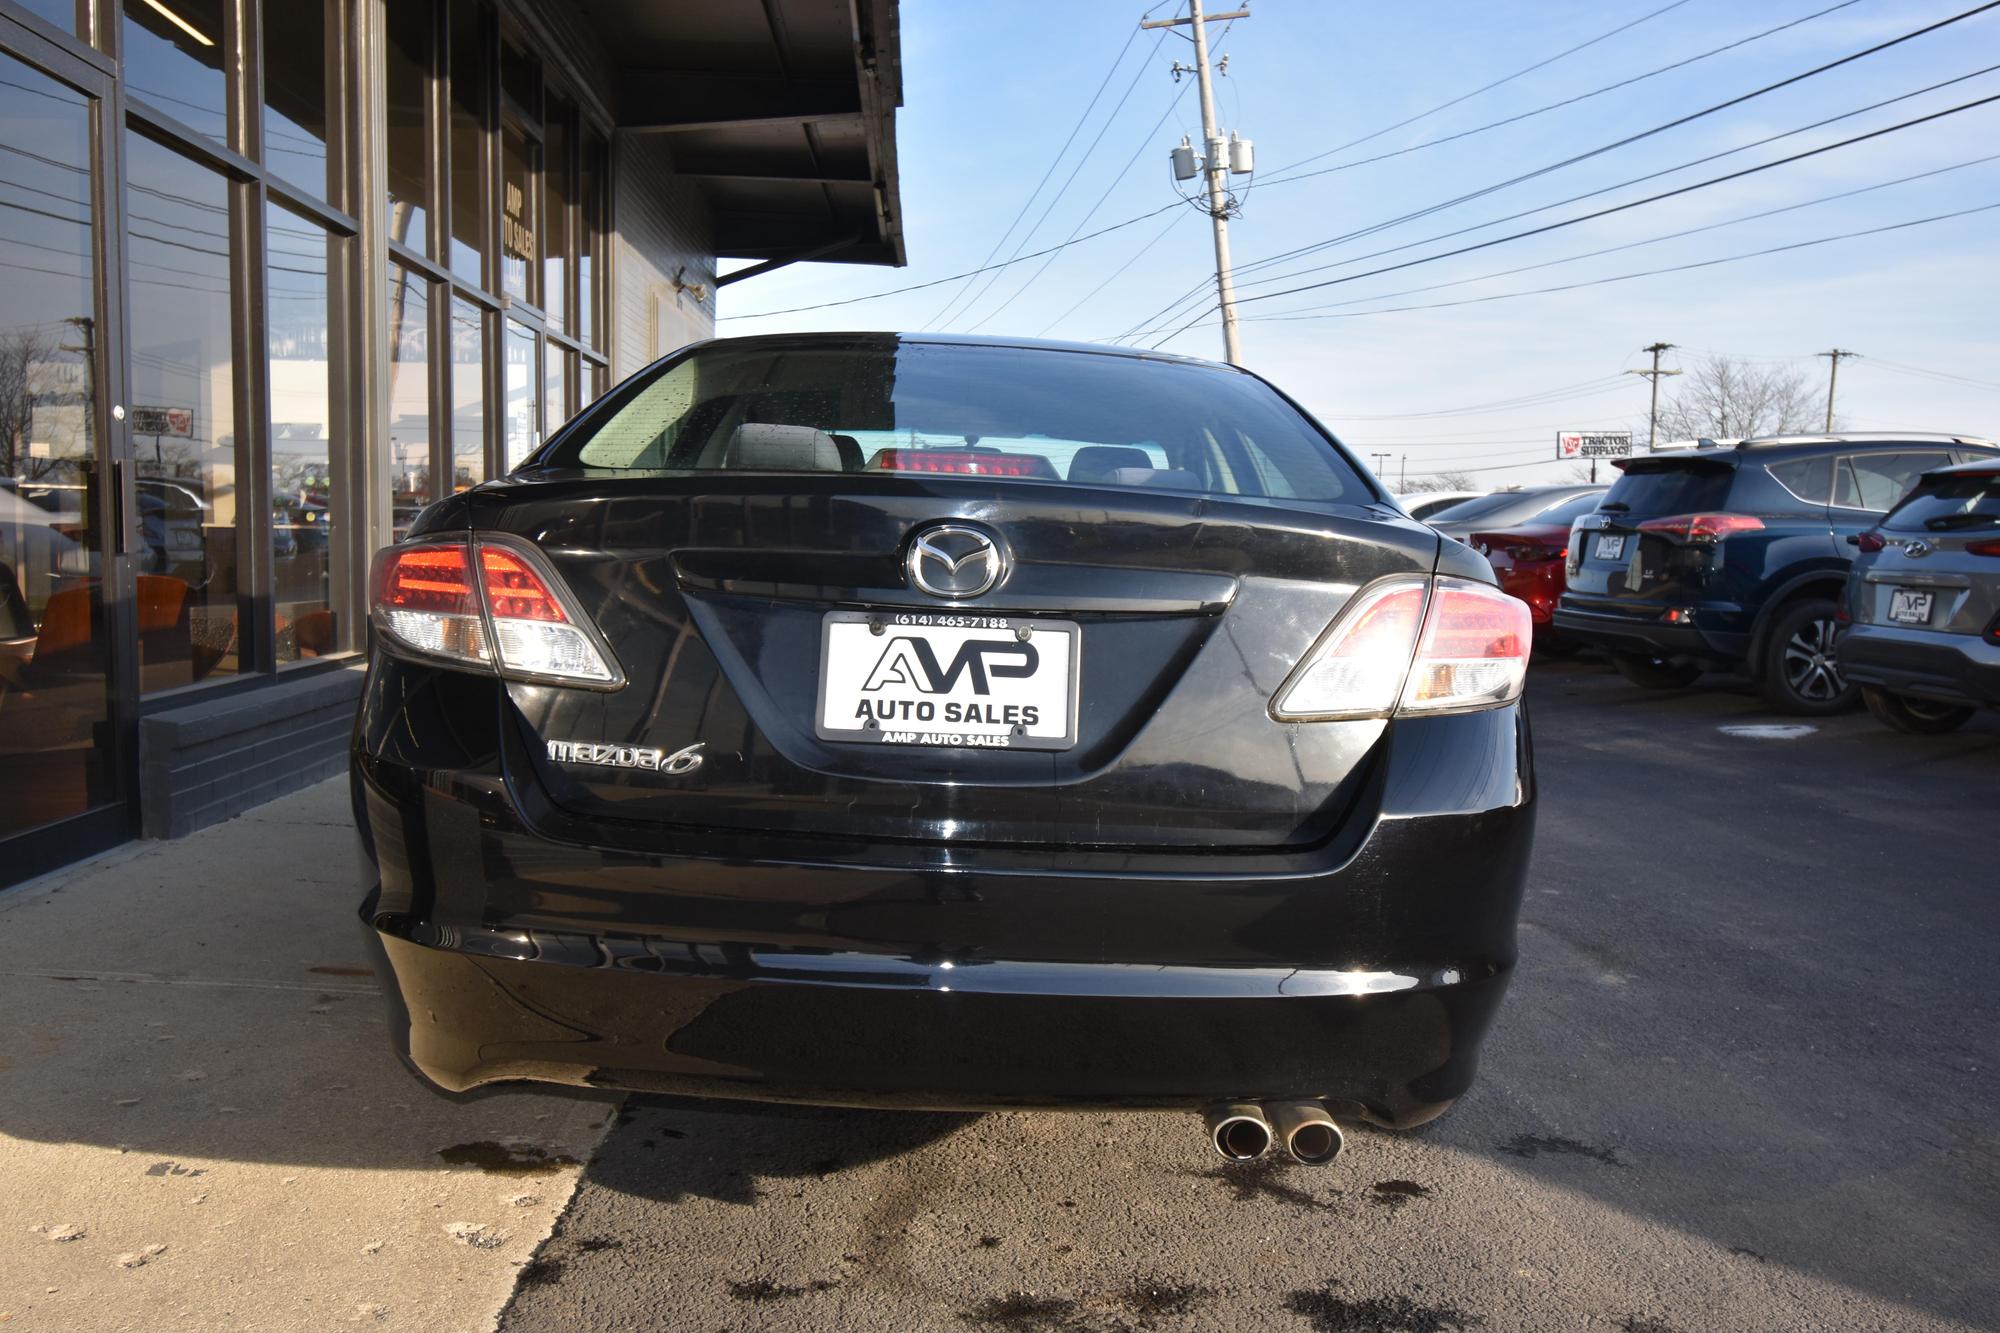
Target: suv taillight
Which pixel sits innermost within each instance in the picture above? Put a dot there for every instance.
(513, 618)
(1703, 528)
(1984, 546)
(1413, 645)
(1869, 541)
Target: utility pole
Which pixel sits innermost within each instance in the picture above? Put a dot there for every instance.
(1215, 166)
(1833, 379)
(1653, 417)
(1404, 484)
(1381, 461)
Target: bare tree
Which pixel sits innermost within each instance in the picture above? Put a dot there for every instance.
(1723, 398)
(24, 355)
(1441, 481)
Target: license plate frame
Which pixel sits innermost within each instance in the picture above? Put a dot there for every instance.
(1608, 546)
(1911, 606)
(913, 678)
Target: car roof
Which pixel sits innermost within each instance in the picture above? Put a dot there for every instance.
(848, 339)
(1885, 438)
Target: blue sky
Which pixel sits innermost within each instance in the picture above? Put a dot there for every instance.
(991, 95)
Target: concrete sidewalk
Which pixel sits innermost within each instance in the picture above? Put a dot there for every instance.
(201, 1124)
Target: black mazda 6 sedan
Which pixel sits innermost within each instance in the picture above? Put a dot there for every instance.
(941, 722)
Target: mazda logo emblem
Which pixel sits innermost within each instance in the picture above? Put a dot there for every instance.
(951, 560)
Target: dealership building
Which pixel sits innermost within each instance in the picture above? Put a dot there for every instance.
(276, 274)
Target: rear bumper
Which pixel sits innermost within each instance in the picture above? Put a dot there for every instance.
(1365, 970)
(1929, 664)
(1617, 631)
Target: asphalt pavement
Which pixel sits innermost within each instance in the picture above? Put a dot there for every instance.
(1744, 1080)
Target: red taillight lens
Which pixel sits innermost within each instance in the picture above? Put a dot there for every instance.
(965, 462)
(512, 589)
(426, 578)
(1703, 528)
(1870, 541)
(1413, 645)
(1984, 546)
(1474, 652)
(512, 620)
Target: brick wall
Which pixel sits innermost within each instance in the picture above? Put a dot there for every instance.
(662, 226)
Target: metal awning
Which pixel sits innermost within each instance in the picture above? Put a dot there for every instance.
(784, 112)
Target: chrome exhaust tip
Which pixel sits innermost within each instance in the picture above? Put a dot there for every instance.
(1307, 1132)
(1239, 1131)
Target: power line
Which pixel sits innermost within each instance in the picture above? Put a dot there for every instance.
(1940, 376)
(1278, 178)
(939, 282)
(1528, 399)
(1618, 185)
(1636, 203)
(1070, 179)
(1054, 162)
(1530, 69)
(1653, 240)
(1116, 273)
(1653, 272)
(1630, 139)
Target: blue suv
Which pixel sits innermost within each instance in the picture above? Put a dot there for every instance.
(1733, 557)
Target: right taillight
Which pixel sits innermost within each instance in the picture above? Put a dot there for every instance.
(490, 605)
(1413, 645)
(1702, 528)
(1984, 546)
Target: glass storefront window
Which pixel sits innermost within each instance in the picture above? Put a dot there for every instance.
(555, 379)
(55, 760)
(61, 13)
(517, 212)
(295, 93)
(410, 482)
(303, 533)
(469, 75)
(174, 59)
(593, 383)
(183, 414)
(406, 75)
(556, 145)
(521, 426)
(468, 395)
(590, 190)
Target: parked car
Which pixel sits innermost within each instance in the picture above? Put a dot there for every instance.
(1423, 504)
(1922, 640)
(1530, 561)
(947, 722)
(1727, 558)
(1510, 509)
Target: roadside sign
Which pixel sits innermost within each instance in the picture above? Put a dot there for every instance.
(1593, 444)
(162, 421)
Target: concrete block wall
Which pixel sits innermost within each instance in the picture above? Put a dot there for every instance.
(208, 761)
(662, 227)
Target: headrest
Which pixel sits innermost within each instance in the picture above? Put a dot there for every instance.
(1155, 478)
(1095, 462)
(761, 446)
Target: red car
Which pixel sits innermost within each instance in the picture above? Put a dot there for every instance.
(1528, 561)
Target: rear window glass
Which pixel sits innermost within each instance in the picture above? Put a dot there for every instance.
(1683, 489)
(883, 406)
(1945, 504)
(1570, 510)
(1877, 481)
(1808, 479)
(1476, 508)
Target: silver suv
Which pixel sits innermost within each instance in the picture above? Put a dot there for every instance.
(1923, 595)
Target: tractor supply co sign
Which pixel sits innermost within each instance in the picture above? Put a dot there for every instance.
(163, 421)
(1602, 444)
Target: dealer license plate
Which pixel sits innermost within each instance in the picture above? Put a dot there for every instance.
(1610, 546)
(1910, 606)
(916, 678)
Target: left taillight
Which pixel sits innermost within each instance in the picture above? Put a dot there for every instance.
(1413, 645)
(487, 605)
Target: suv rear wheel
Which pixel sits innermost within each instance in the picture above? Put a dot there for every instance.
(1800, 675)
(1655, 673)
(1919, 717)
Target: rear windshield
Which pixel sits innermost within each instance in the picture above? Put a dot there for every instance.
(1682, 489)
(1569, 511)
(1476, 508)
(880, 405)
(1946, 504)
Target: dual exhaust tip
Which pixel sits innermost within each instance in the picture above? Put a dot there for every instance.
(1245, 1131)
